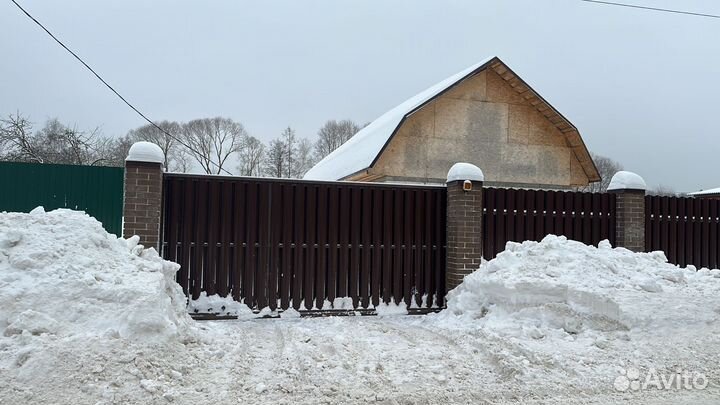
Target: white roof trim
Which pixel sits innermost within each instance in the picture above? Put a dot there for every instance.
(359, 152)
(706, 192)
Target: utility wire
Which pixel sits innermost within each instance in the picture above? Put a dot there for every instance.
(610, 3)
(110, 87)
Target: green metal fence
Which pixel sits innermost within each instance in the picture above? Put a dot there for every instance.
(96, 190)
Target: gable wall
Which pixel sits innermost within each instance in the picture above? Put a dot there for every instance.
(484, 122)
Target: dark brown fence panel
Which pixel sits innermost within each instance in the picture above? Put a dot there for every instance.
(511, 215)
(288, 243)
(686, 229)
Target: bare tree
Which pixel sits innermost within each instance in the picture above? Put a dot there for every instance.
(16, 140)
(287, 137)
(288, 157)
(211, 141)
(251, 155)
(607, 168)
(53, 143)
(274, 164)
(113, 151)
(304, 158)
(332, 135)
(663, 190)
(182, 160)
(160, 137)
(58, 143)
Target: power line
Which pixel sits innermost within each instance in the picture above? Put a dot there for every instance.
(109, 86)
(610, 3)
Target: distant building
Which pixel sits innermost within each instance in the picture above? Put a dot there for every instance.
(485, 115)
(712, 194)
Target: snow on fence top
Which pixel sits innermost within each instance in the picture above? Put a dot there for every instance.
(359, 152)
(145, 152)
(465, 171)
(710, 191)
(623, 180)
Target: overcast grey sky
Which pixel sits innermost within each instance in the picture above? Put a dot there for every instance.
(641, 86)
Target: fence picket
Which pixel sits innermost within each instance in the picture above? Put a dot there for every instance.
(322, 243)
(287, 246)
(568, 225)
(713, 235)
(377, 235)
(365, 250)
(355, 229)
(386, 245)
(200, 233)
(300, 248)
(332, 275)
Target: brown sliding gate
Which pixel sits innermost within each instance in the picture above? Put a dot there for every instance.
(686, 229)
(519, 215)
(290, 243)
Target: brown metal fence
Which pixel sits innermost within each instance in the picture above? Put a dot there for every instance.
(686, 229)
(300, 244)
(519, 215)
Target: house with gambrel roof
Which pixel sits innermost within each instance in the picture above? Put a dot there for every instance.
(485, 115)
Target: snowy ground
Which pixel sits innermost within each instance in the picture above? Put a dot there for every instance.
(551, 322)
(348, 360)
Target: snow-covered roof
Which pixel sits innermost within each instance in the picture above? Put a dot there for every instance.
(709, 191)
(362, 150)
(359, 152)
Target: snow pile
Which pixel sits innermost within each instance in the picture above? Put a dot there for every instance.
(560, 316)
(465, 171)
(63, 275)
(626, 180)
(215, 304)
(535, 288)
(145, 152)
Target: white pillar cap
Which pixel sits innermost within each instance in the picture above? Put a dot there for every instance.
(623, 180)
(145, 152)
(465, 171)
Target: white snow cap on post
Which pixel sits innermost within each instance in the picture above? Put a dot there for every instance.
(465, 171)
(623, 180)
(145, 152)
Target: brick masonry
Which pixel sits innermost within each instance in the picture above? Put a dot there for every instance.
(630, 219)
(142, 202)
(464, 231)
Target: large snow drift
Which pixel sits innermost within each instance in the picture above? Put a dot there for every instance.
(62, 274)
(564, 285)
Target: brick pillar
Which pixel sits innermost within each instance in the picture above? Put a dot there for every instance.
(630, 210)
(464, 222)
(143, 193)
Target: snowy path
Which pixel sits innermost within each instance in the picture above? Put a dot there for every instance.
(412, 360)
(392, 360)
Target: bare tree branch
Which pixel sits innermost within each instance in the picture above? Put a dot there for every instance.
(212, 141)
(332, 135)
(607, 168)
